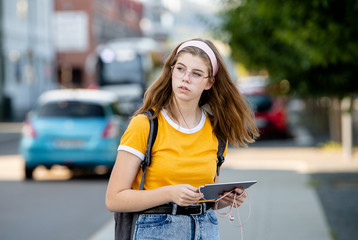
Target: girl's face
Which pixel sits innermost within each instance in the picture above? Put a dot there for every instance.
(185, 75)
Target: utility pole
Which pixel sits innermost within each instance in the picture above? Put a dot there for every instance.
(2, 64)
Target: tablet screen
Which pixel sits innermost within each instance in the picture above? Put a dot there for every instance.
(212, 191)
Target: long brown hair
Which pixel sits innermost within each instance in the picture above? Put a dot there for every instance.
(231, 119)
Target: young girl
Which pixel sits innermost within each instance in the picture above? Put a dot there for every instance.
(195, 102)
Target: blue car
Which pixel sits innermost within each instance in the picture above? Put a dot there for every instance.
(77, 128)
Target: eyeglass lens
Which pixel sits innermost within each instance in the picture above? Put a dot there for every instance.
(193, 77)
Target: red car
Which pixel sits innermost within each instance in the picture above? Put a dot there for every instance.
(270, 114)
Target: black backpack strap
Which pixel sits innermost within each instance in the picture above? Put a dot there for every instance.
(153, 124)
(221, 149)
(220, 154)
(153, 130)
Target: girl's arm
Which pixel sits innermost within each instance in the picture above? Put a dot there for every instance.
(121, 198)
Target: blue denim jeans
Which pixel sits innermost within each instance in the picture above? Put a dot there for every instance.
(177, 227)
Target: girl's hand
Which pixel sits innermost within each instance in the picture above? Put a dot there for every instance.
(184, 194)
(231, 199)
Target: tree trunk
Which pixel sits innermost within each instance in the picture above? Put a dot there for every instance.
(335, 121)
(347, 130)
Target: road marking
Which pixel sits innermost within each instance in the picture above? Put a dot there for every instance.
(105, 232)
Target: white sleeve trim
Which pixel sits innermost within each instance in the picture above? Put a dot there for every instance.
(131, 150)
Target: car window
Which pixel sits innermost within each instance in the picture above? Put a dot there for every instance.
(115, 108)
(71, 109)
(259, 103)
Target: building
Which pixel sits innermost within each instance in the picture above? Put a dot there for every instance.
(81, 25)
(27, 55)
(49, 44)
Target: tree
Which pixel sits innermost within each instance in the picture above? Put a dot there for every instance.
(311, 43)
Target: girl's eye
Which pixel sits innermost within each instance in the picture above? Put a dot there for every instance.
(196, 74)
(180, 69)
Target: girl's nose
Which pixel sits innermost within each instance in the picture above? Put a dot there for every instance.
(186, 77)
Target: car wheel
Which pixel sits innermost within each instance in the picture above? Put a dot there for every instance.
(29, 173)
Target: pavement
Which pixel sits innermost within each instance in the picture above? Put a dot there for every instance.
(303, 193)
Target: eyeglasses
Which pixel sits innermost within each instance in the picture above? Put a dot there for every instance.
(194, 77)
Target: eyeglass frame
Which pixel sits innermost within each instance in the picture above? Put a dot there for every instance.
(191, 73)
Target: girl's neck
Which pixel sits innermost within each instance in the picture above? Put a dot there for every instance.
(185, 115)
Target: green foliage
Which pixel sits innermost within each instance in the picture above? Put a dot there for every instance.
(311, 43)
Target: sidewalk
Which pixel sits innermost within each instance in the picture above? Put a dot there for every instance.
(300, 159)
(11, 127)
(284, 203)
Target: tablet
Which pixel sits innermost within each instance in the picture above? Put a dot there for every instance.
(212, 191)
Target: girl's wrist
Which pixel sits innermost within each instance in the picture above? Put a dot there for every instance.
(167, 193)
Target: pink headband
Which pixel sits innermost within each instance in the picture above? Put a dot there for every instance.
(203, 46)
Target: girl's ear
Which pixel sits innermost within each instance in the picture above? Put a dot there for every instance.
(210, 83)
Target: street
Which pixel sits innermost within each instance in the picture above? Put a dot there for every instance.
(48, 208)
(72, 209)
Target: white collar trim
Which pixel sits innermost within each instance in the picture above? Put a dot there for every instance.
(185, 130)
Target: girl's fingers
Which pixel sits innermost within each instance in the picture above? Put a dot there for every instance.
(236, 198)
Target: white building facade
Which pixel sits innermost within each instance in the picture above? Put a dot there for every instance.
(28, 54)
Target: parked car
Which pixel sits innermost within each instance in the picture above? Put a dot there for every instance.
(77, 128)
(270, 111)
(270, 115)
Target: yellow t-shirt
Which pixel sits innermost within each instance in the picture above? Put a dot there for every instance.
(179, 155)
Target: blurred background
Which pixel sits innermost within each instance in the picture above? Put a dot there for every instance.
(121, 45)
(295, 63)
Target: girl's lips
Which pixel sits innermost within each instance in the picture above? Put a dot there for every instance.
(183, 89)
